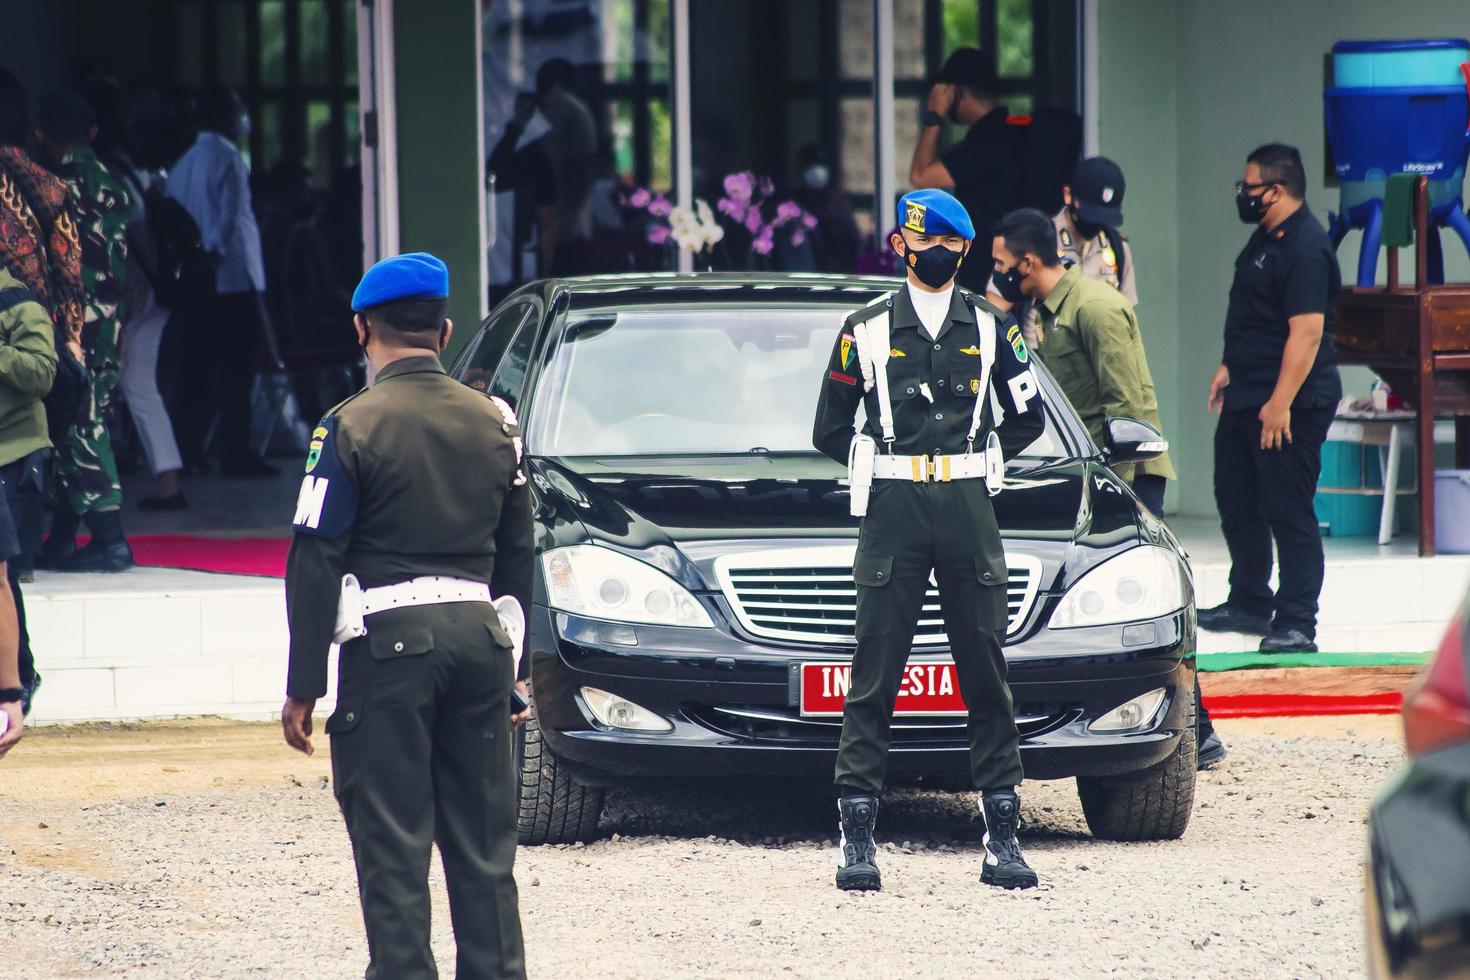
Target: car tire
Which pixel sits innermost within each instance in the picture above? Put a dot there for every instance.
(1153, 804)
(554, 809)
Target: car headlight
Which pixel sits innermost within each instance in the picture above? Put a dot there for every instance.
(606, 584)
(1142, 583)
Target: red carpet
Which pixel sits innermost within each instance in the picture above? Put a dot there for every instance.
(1290, 705)
(237, 556)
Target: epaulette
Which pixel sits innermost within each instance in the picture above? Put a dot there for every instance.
(870, 311)
(981, 303)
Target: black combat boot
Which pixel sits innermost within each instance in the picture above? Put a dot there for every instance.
(1004, 865)
(858, 869)
(108, 550)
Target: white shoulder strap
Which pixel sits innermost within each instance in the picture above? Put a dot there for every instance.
(872, 338)
(985, 324)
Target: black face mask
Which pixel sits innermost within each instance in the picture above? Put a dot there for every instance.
(935, 265)
(1086, 229)
(1008, 284)
(1250, 207)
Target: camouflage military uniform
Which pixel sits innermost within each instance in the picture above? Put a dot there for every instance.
(85, 460)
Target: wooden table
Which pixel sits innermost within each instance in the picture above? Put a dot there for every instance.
(1418, 340)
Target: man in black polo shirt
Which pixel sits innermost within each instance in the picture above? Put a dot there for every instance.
(984, 170)
(1276, 393)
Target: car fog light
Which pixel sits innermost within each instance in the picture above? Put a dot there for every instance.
(620, 713)
(1130, 714)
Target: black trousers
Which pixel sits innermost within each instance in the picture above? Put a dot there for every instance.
(218, 347)
(421, 754)
(24, 500)
(911, 530)
(1264, 494)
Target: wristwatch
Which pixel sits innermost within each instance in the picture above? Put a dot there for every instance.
(8, 694)
(931, 118)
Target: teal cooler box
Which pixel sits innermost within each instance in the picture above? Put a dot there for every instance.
(1349, 499)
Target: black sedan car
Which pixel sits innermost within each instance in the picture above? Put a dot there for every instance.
(1418, 892)
(694, 602)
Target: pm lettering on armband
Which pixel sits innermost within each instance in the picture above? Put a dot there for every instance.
(310, 502)
(1023, 389)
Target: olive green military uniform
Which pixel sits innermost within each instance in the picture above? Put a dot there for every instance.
(946, 529)
(419, 476)
(1091, 344)
(85, 460)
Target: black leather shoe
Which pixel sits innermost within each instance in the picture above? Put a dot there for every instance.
(99, 557)
(1226, 618)
(857, 870)
(1212, 751)
(1004, 866)
(1287, 639)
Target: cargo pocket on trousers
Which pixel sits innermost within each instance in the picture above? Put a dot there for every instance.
(345, 718)
(993, 575)
(390, 644)
(874, 599)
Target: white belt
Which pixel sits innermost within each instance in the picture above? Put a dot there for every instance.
(426, 591)
(926, 469)
(356, 603)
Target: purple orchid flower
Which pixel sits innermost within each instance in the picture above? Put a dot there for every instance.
(660, 207)
(658, 234)
(640, 198)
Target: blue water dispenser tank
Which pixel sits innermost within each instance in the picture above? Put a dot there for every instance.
(1399, 107)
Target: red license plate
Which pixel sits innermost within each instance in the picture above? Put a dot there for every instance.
(925, 689)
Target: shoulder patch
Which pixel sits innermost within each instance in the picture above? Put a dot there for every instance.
(326, 505)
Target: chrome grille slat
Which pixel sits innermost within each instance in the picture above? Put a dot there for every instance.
(807, 595)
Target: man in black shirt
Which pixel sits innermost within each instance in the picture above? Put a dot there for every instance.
(1276, 393)
(985, 169)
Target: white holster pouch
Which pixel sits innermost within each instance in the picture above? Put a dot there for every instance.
(356, 603)
(860, 456)
(513, 620)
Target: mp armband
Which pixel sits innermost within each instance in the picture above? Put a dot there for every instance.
(326, 505)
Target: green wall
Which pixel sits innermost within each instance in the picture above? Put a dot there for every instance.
(1186, 90)
(439, 164)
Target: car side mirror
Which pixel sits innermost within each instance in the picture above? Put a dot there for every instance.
(1132, 441)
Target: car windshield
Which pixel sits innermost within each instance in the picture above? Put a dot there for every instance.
(693, 381)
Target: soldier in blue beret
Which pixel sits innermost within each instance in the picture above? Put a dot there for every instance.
(405, 555)
(930, 364)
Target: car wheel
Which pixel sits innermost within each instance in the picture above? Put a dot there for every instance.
(553, 808)
(1154, 804)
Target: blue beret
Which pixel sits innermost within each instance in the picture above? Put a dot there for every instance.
(413, 275)
(934, 212)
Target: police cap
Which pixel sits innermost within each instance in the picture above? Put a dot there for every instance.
(413, 275)
(934, 212)
(1097, 191)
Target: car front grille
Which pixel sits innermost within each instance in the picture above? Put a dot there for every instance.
(807, 595)
(772, 724)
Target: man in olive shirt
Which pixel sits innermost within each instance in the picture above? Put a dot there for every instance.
(421, 735)
(27, 368)
(1087, 335)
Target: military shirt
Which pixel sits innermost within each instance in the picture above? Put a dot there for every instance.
(415, 475)
(932, 383)
(103, 206)
(1092, 347)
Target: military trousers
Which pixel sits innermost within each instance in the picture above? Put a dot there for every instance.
(913, 530)
(422, 755)
(85, 461)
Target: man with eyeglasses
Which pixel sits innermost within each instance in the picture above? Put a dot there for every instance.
(1276, 391)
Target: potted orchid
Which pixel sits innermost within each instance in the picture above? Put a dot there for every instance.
(748, 210)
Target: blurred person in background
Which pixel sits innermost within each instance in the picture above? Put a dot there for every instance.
(85, 463)
(835, 241)
(571, 145)
(220, 339)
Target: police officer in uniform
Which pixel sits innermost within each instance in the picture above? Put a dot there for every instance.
(416, 489)
(949, 393)
(1087, 237)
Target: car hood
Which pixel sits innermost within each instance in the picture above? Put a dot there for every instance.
(643, 504)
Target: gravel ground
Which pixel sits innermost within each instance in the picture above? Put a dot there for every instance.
(205, 850)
